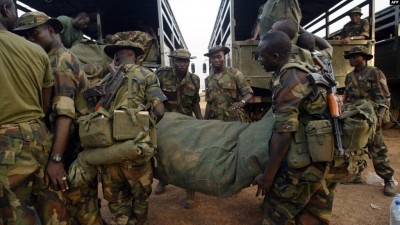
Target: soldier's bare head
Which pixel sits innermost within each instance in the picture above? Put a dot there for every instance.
(81, 21)
(8, 15)
(124, 56)
(287, 26)
(274, 50)
(307, 41)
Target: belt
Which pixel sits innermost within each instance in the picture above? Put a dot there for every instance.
(16, 125)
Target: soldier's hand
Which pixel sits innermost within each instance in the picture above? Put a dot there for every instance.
(56, 176)
(337, 38)
(237, 105)
(263, 184)
(346, 41)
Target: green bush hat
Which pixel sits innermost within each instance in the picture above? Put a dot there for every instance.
(358, 50)
(216, 49)
(181, 54)
(31, 20)
(355, 10)
(110, 50)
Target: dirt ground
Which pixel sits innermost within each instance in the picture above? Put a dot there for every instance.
(354, 204)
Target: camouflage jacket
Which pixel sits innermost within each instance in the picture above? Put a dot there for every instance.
(222, 92)
(371, 84)
(356, 29)
(181, 94)
(70, 83)
(301, 54)
(145, 88)
(293, 97)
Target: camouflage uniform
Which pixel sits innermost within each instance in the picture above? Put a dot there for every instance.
(181, 94)
(222, 92)
(298, 191)
(372, 85)
(127, 185)
(351, 29)
(25, 142)
(301, 54)
(68, 101)
(275, 10)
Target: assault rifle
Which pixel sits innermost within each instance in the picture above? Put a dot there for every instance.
(327, 79)
(102, 95)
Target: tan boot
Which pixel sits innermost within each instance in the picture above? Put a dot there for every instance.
(189, 203)
(160, 188)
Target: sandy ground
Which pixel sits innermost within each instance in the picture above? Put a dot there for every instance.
(362, 204)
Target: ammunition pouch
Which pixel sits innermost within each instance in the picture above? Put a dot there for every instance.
(128, 123)
(320, 140)
(95, 129)
(298, 155)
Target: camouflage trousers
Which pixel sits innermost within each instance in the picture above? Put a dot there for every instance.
(83, 204)
(127, 187)
(378, 153)
(298, 197)
(24, 151)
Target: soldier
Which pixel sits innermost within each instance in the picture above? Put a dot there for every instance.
(67, 105)
(72, 33)
(182, 90)
(316, 45)
(25, 142)
(289, 27)
(226, 89)
(356, 29)
(275, 10)
(294, 193)
(127, 185)
(368, 82)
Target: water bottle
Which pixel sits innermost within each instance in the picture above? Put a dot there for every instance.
(395, 211)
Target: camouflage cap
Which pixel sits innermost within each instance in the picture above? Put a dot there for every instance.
(216, 49)
(355, 10)
(30, 20)
(181, 54)
(110, 50)
(358, 50)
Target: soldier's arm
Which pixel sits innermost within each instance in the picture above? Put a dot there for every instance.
(155, 96)
(46, 93)
(197, 111)
(294, 89)
(244, 89)
(66, 88)
(207, 112)
(381, 93)
(196, 99)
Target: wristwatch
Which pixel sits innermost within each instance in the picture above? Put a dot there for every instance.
(243, 101)
(56, 158)
(351, 38)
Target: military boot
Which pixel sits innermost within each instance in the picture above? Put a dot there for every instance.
(160, 188)
(189, 203)
(389, 188)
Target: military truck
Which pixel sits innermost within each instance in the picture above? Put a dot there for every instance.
(109, 17)
(236, 19)
(233, 29)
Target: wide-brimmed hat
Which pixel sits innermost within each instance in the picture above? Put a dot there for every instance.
(110, 50)
(30, 20)
(356, 10)
(216, 49)
(181, 54)
(358, 50)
